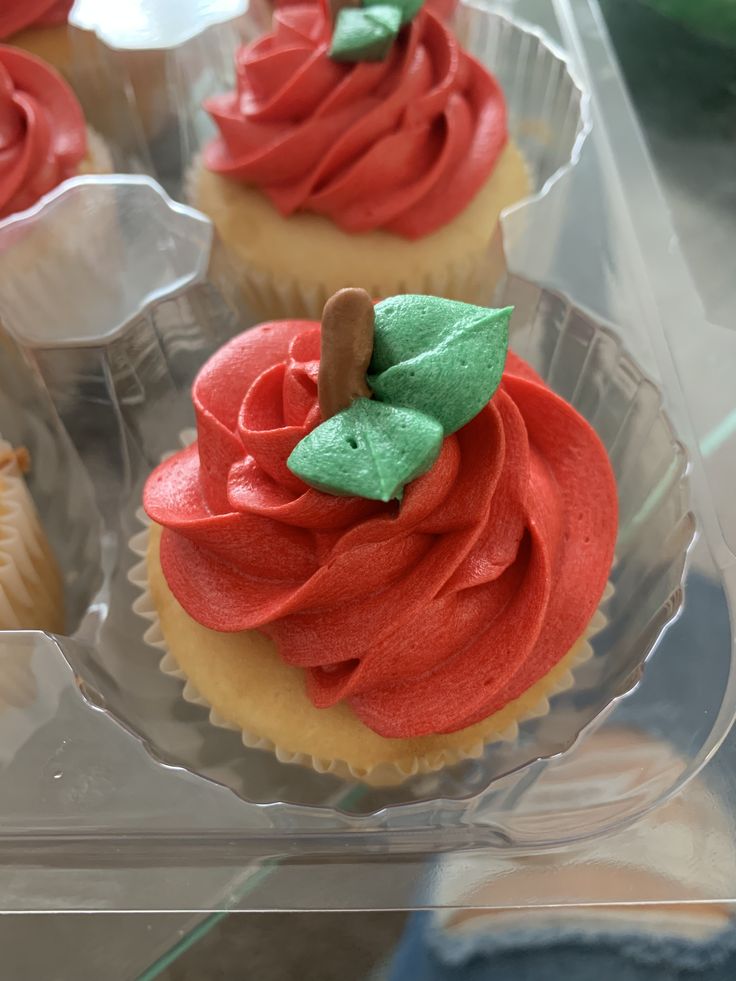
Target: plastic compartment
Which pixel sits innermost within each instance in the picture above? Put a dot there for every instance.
(90, 819)
(144, 75)
(142, 70)
(123, 347)
(584, 363)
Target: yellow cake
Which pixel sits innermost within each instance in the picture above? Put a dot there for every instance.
(289, 266)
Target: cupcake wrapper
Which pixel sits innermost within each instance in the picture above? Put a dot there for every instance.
(281, 298)
(383, 774)
(31, 595)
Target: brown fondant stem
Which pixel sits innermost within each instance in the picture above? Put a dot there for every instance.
(347, 345)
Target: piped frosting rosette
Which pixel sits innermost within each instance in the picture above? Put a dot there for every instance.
(401, 144)
(426, 606)
(44, 139)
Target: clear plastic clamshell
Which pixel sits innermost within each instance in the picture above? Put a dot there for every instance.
(108, 775)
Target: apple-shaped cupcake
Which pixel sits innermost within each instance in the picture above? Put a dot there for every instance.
(389, 542)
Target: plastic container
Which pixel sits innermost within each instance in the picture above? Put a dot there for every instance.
(142, 70)
(90, 818)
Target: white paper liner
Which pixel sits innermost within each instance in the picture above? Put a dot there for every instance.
(281, 298)
(384, 774)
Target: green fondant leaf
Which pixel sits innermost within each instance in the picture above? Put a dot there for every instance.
(408, 8)
(365, 34)
(441, 357)
(368, 450)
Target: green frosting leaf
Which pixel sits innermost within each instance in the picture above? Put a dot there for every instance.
(436, 363)
(370, 449)
(408, 8)
(365, 34)
(441, 357)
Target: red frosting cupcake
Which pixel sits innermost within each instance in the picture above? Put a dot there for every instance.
(391, 173)
(384, 635)
(44, 138)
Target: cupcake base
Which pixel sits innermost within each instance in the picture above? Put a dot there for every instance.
(288, 267)
(31, 591)
(247, 687)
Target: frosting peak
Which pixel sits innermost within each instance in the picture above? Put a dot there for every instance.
(16, 15)
(43, 137)
(403, 144)
(426, 616)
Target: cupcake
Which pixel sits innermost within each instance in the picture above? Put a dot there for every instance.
(332, 168)
(39, 27)
(31, 594)
(45, 138)
(389, 542)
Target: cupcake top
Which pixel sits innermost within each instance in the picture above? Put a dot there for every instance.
(426, 613)
(401, 144)
(43, 137)
(17, 15)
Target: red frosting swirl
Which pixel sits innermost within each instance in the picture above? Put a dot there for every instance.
(426, 616)
(16, 15)
(403, 144)
(43, 137)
